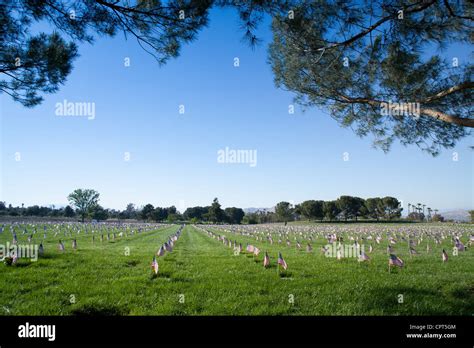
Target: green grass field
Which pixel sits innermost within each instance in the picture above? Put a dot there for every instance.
(204, 277)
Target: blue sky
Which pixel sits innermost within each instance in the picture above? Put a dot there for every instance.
(173, 157)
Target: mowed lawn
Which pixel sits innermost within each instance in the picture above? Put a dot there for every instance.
(204, 277)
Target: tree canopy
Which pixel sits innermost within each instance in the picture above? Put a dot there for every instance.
(85, 201)
(380, 67)
(369, 62)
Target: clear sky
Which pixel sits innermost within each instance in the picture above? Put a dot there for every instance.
(173, 156)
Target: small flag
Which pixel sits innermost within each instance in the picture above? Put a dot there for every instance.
(395, 261)
(266, 260)
(74, 244)
(282, 262)
(61, 246)
(256, 251)
(413, 251)
(460, 246)
(161, 251)
(154, 265)
(363, 257)
(14, 258)
(445, 256)
(309, 248)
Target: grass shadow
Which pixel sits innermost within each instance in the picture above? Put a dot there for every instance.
(99, 310)
(285, 274)
(132, 263)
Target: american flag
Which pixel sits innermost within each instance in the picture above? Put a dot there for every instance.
(282, 262)
(154, 265)
(160, 251)
(309, 248)
(14, 258)
(249, 248)
(61, 246)
(395, 261)
(74, 244)
(266, 260)
(459, 245)
(413, 251)
(256, 251)
(363, 257)
(445, 256)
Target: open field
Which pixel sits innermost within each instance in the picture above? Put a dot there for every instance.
(203, 275)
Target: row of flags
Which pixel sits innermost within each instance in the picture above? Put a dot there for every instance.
(166, 247)
(394, 235)
(251, 249)
(363, 257)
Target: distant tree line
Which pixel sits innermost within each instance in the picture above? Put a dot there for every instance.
(345, 208)
(84, 204)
